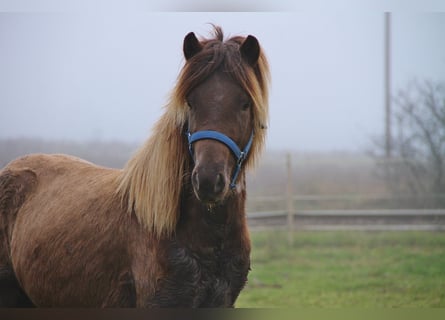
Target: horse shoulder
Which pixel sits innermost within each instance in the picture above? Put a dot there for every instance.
(146, 266)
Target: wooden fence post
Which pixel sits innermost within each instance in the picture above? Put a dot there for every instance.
(290, 201)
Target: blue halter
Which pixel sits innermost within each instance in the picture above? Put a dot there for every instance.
(218, 136)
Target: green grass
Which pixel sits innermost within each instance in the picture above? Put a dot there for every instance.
(346, 269)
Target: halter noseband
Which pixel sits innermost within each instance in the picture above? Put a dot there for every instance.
(218, 136)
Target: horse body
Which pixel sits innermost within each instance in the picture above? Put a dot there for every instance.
(89, 263)
(165, 231)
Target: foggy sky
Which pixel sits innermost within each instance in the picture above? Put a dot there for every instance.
(87, 75)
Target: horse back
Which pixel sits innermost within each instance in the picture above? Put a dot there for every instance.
(18, 180)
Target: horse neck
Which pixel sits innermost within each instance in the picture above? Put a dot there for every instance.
(201, 227)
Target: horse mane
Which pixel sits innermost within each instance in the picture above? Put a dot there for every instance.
(151, 182)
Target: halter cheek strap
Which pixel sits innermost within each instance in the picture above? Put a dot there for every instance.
(240, 155)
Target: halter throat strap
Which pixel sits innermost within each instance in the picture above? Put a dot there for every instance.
(240, 155)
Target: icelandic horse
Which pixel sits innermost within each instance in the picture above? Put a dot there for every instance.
(169, 229)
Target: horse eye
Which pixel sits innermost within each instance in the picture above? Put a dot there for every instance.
(189, 104)
(247, 105)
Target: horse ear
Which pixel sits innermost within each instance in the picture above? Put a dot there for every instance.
(250, 50)
(191, 46)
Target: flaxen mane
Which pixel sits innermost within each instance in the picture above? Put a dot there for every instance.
(151, 182)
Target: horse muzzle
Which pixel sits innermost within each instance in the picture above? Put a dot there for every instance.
(209, 183)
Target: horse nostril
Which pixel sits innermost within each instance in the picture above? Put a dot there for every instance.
(219, 183)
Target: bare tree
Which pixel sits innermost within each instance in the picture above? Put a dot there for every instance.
(417, 165)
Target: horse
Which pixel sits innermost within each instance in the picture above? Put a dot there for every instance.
(167, 230)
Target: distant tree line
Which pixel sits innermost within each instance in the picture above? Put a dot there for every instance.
(109, 154)
(417, 162)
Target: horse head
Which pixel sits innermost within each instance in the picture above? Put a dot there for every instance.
(220, 126)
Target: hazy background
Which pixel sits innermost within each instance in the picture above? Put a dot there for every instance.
(89, 75)
(89, 78)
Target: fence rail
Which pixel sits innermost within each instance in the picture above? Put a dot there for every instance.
(378, 211)
(399, 219)
(346, 197)
(384, 213)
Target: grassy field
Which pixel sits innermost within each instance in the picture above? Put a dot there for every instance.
(346, 269)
